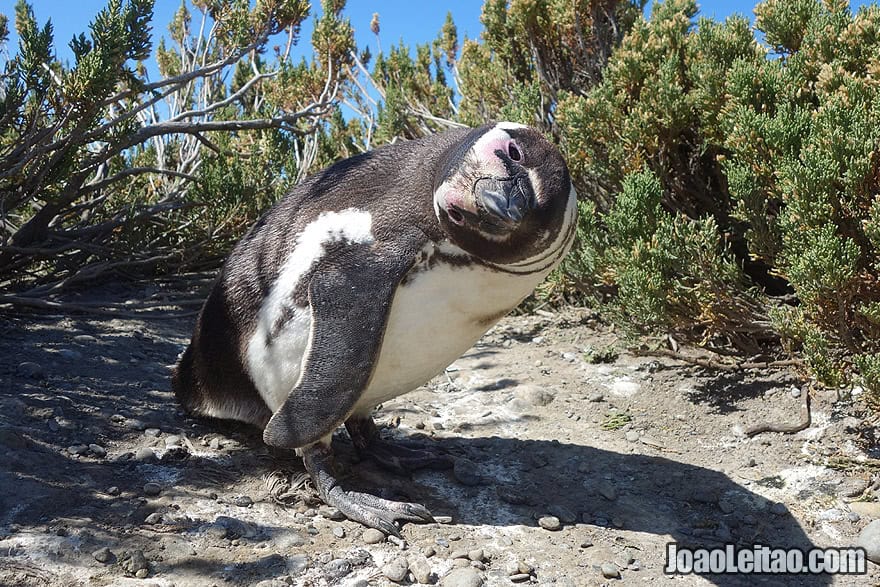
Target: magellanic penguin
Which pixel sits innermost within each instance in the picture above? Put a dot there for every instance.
(366, 281)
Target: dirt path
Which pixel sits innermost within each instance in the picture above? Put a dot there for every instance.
(106, 482)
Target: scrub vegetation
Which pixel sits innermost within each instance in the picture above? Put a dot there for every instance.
(729, 172)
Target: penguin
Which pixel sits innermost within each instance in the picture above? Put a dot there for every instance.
(367, 280)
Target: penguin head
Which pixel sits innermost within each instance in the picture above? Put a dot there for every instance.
(503, 193)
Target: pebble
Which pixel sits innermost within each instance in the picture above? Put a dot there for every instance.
(337, 568)
(631, 436)
(534, 395)
(777, 508)
(853, 517)
(85, 338)
(98, 450)
(420, 568)
(458, 554)
(463, 577)
(70, 354)
(476, 554)
(396, 570)
(172, 440)
(869, 539)
(866, 509)
(565, 515)
(467, 473)
(215, 531)
(154, 518)
(610, 571)
(443, 519)
(152, 489)
(607, 491)
(339, 531)
(32, 370)
(103, 555)
(795, 392)
(372, 536)
(461, 562)
(78, 449)
(523, 567)
(549, 523)
(242, 501)
(596, 397)
(520, 577)
(853, 487)
(441, 542)
(145, 455)
(136, 563)
(153, 432)
(113, 490)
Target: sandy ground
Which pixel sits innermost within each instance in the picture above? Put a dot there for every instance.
(566, 467)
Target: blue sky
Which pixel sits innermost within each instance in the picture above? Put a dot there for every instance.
(411, 21)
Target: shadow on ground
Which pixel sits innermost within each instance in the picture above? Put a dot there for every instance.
(93, 383)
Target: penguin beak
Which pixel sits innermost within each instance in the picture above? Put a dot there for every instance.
(507, 199)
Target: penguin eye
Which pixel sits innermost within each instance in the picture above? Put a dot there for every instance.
(513, 152)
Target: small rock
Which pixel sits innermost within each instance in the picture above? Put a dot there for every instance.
(429, 551)
(215, 531)
(463, 577)
(853, 517)
(565, 515)
(869, 539)
(853, 487)
(98, 450)
(172, 440)
(443, 519)
(32, 370)
(608, 491)
(337, 568)
(458, 554)
(596, 397)
(476, 554)
(534, 395)
(610, 571)
(242, 501)
(135, 563)
(631, 436)
(372, 536)
(420, 568)
(331, 513)
(103, 555)
(795, 392)
(467, 473)
(70, 355)
(396, 570)
(866, 509)
(145, 454)
(461, 562)
(520, 577)
(154, 518)
(777, 508)
(523, 567)
(152, 489)
(113, 490)
(152, 432)
(78, 449)
(339, 531)
(549, 523)
(727, 507)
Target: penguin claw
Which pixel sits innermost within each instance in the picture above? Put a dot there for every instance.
(376, 512)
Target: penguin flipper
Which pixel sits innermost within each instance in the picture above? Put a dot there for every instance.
(350, 298)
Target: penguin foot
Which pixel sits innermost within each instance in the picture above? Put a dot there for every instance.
(367, 509)
(388, 455)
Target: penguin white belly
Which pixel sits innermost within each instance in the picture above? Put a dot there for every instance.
(437, 315)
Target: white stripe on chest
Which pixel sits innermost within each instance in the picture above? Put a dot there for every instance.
(437, 315)
(275, 358)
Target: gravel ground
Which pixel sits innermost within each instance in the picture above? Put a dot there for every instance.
(576, 464)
